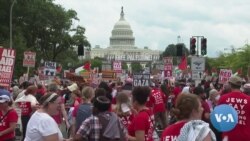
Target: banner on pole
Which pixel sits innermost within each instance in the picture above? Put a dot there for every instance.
(7, 61)
(29, 59)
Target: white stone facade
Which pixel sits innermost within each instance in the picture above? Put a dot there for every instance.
(122, 45)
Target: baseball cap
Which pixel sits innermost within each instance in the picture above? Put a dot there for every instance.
(4, 96)
(235, 80)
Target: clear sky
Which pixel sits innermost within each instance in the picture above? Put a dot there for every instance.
(157, 23)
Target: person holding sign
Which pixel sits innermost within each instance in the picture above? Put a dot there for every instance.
(241, 103)
(27, 104)
(8, 117)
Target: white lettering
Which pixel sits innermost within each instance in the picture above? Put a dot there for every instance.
(227, 118)
(8, 53)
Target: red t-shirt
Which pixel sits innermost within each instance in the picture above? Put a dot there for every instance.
(206, 108)
(241, 103)
(75, 110)
(157, 100)
(25, 106)
(176, 92)
(126, 120)
(143, 121)
(5, 124)
(172, 132)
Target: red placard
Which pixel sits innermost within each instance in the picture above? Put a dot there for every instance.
(117, 66)
(224, 75)
(25, 106)
(168, 67)
(7, 61)
(168, 70)
(29, 59)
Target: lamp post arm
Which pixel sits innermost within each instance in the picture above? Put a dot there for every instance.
(11, 9)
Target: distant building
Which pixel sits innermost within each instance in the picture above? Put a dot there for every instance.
(122, 46)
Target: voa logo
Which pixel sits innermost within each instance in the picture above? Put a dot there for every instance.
(226, 118)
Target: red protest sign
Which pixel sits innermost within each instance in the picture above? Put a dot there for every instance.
(7, 61)
(29, 59)
(168, 67)
(168, 70)
(224, 75)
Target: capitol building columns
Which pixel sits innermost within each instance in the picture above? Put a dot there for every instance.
(122, 46)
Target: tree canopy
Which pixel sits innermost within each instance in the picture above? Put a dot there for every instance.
(44, 27)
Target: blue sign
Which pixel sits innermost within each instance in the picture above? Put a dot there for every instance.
(224, 118)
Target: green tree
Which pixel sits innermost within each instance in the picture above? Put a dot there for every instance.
(136, 67)
(124, 66)
(43, 27)
(170, 50)
(96, 62)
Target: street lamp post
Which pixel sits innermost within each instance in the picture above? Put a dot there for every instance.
(11, 9)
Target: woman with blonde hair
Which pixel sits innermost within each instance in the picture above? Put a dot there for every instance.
(124, 109)
(83, 110)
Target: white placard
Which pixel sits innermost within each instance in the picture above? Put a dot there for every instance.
(198, 63)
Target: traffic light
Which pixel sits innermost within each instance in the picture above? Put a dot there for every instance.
(179, 49)
(192, 46)
(80, 50)
(203, 46)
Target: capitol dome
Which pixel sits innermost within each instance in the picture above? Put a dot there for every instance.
(122, 34)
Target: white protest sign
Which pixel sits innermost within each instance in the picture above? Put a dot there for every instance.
(224, 75)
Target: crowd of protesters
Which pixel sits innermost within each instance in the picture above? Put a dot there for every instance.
(119, 111)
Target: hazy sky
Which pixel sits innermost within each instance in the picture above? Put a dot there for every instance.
(157, 23)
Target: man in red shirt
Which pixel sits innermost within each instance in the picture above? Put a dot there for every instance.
(241, 103)
(157, 100)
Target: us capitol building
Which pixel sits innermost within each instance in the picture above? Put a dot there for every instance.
(122, 46)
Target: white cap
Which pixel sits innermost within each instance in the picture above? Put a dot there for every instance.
(73, 87)
(125, 108)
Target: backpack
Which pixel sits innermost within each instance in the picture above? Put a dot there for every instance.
(104, 121)
(84, 111)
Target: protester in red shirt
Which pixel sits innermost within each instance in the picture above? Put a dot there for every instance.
(28, 104)
(8, 117)
(157, 99)
(188, 107)
(241, 103)
(142, 126)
